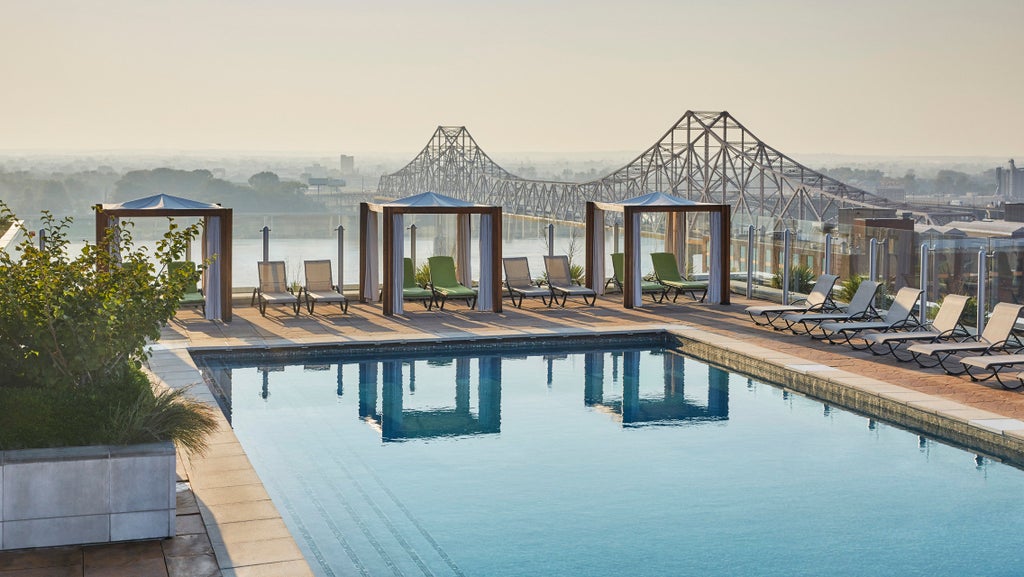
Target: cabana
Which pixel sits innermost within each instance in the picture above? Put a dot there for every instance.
(216, 240)
(393, 234)
(677, 210)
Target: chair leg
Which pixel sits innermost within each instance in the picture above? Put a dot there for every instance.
(344, 307)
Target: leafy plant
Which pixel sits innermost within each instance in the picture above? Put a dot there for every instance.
(848, 287)
(73, 332)
(801, 279)
(423, 274)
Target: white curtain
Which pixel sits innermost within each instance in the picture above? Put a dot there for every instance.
(371, 266)
(484, 299)
(637, 295)
(463, 266)
(675, 238)
(397, 263)
(596, 265)
(212, 277)
(716, 272)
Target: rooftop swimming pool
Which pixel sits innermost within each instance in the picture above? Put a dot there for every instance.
(627, 460)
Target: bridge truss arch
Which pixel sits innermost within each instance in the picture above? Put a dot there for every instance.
(705, 157)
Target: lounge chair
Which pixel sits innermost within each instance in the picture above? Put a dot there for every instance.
(818, 300)
(273, 288)
(519, 282)
(411, 291)
(945, 326)
(561, 284)
(995, 365)
(656, 290)
(997, 336)
(444, 283)
(899, 316)
(193, 296)
(666, 271)
(320, 287)
(860, 308)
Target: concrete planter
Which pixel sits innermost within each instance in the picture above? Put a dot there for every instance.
(78, 495)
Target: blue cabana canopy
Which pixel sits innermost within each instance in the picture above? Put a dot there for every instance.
(430, 199)
(163, 202)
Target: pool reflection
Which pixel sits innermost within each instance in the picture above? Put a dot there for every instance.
(396, 422)
(670, 407)
(461, 396)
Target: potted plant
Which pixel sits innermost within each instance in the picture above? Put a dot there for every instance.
(86, 442)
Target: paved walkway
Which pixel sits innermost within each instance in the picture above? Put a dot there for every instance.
(232, 518)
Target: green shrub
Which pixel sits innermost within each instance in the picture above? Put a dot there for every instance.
(801, 279)
(848, 287)
(423, 274)
(73, 333)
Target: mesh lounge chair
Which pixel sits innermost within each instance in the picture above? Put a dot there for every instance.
(667, 272)
(818, 300)
(320, 287)
(656, 290)
(444, 284)
(995, 365)
(860, 308)
(273, 288)
(193, 296)
(412, 291)
(997, 336)
(945, 326)
(519, 282)
(561, 284)
(899, 316)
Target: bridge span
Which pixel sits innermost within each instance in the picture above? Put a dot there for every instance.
(705, 157)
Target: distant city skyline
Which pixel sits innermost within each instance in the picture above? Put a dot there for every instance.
(910, 79)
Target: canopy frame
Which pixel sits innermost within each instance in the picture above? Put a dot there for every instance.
(631, 295)
(107, 215)
(392, 255)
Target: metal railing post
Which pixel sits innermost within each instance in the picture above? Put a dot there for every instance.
(923, 316)
(827, 260)
(42, 239)
(616, 236)
(412, 244)
(266, 243)
(750, 261)
(786, 248)
(341, 261)
(982, 277)
(551, 239)
(873, 260)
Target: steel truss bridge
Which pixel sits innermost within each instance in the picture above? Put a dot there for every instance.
(705, 157)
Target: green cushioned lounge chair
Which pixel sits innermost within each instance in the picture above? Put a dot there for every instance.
(444, 283)
(193, 295)
(412, 291)
(320, 287)
(656, 290)
(667, 272)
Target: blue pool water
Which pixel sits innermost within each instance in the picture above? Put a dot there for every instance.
(618, 462)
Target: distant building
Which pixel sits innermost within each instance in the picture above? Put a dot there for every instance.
(1010, 182)
(348, 164)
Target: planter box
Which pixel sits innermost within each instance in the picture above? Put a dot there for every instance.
(78, 495)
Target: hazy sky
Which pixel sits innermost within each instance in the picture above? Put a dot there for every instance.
(916, 77)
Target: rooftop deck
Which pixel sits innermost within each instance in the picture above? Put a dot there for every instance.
(244, 534)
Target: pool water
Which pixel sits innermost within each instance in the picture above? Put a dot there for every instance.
(618, 462)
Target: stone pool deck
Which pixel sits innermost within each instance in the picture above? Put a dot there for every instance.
(242, 534)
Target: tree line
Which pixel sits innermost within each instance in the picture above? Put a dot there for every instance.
(29, 193)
